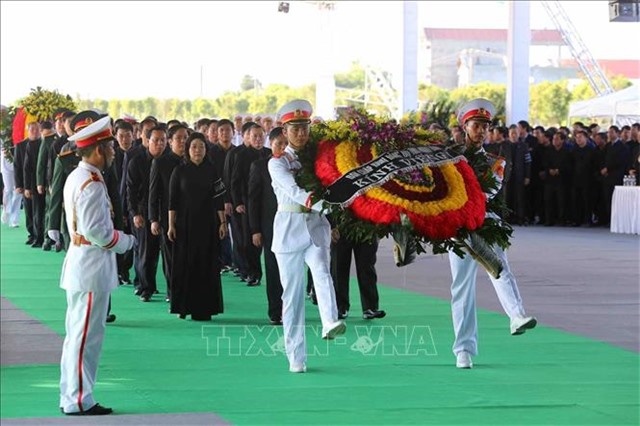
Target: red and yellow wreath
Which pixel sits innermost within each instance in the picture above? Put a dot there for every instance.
(392, 186)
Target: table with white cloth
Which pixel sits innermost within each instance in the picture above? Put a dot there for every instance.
(625, 210)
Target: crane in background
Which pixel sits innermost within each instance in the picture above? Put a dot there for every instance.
(579, 50)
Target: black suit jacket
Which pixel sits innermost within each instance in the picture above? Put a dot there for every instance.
(240, 173)
(159, 178)
(31, 152)
(262, 204)
(616, 161)
(138, 172)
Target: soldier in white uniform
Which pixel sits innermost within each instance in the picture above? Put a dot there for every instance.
(301, 234)
(89, 271)
(475, 116)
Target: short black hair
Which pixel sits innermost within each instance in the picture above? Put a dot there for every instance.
(549, 133)
(175, 129)
(202, 122)
(275, 133)
(156, 128)
(561, 135)
(248, 126)
(226, 121)
(625, 127)
(614, 128)
(46, 125)
(503, 131)
(193, 136)
(173, 122)
(524, 124)
(124, 125)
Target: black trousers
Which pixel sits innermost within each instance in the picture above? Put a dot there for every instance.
(251, 253)
(125, 260)
(582, 204)
(35, 214)
(607, 197)
(239, 260)
(148, 252)
(554, 201)
(365, 257)
(516, 201)
(166, 248)
(27, 205)
(272, 273)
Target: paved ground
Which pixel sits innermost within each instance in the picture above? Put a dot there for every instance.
(582, 280)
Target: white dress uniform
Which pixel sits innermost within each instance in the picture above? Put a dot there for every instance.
(89, 274)
(10, 198)
(464, 271)
(300, 235)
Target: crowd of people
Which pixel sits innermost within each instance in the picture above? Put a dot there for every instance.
(211, 198)
(157, 184)
(563, 177)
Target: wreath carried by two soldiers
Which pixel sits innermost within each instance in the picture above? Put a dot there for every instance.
(381, 178)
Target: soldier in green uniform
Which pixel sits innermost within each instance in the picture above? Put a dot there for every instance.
(42, 177)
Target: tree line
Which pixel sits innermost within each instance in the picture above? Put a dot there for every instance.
(548, 106)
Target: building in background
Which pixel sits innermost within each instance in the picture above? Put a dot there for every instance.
(456, 57)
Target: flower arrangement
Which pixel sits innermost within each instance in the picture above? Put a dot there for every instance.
(38, 105)
(7, 116)
(383, 178)
(42, 104)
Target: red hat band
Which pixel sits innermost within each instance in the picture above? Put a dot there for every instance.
(296, 115)
(93, 139)
(479, 113)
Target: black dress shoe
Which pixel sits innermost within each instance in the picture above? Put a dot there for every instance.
(343, 315)
(96, 410)
(59, 246)
(111, 318)
(37, 244)
(275, 321)
(30, 241)
(371, 314)
(47, 245)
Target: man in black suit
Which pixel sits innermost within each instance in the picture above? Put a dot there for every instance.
(161, 170)
(616, 163)
(138, 173)
(19, 173)
(239, 258)
(36, 200)
(217, 153)
(240, 195)
(262, 207)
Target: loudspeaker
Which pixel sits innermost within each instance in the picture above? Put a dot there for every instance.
(624, 11)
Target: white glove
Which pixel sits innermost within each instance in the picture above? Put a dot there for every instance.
(132, 242)
(54, 235)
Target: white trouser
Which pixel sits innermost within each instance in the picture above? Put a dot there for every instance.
(10, 200)
(293, 277)
(463, 298)
(85, 325)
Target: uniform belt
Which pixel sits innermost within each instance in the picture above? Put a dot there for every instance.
(293, 208)
(79, 240)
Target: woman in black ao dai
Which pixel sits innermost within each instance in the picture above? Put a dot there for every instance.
(196, 226)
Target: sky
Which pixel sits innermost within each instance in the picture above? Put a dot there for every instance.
(170, 49)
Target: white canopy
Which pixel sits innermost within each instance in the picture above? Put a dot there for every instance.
(623, 106)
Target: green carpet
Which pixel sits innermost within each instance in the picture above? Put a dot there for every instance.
(400, 370)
